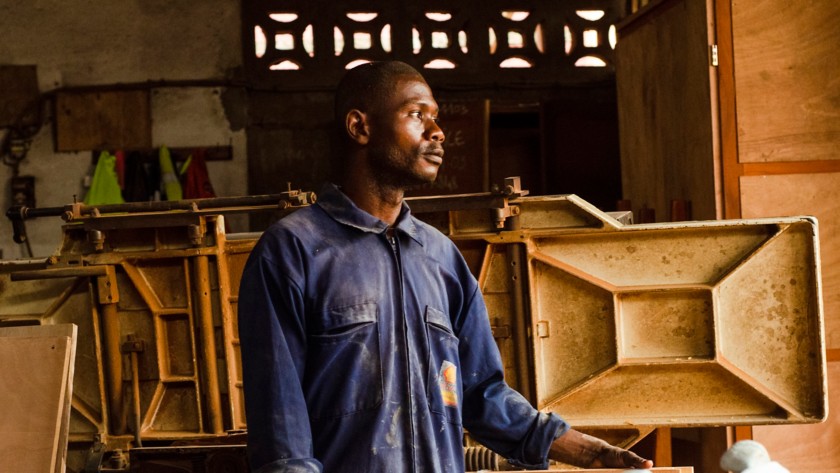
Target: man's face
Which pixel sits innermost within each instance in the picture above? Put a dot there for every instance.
(406, 143)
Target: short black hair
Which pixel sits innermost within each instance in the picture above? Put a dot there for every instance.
(364, 86)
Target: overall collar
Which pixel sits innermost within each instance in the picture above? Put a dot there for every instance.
(343, 210)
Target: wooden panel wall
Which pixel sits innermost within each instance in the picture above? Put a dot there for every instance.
(779, 83)
(787, 80)
(780, 128)
(667, 121)
(20, 95)
(102, 120)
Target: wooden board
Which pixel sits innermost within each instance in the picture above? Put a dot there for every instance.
(35, 394)
(667, 119)
(808, 448)
(787, 80)
(805, 194)
(20, 95)
(682, 469)
(102, 120)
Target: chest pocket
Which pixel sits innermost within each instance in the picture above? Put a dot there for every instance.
(343, 366)
(444, 387)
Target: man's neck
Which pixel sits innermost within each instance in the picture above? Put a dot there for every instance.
(384, 203)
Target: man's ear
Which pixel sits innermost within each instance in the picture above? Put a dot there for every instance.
(357, 126)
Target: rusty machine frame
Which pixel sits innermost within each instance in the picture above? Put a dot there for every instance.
(683, 324)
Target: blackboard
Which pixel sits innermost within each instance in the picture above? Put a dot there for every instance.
(465, 169)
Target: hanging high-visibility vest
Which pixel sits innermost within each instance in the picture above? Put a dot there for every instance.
(105, 187)
(171, 185)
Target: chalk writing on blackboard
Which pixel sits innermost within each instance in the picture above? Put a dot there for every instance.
(465, 161)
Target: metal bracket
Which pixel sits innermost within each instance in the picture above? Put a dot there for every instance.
(498, 202)
(543, 329)
(500, 331)
(132, 344)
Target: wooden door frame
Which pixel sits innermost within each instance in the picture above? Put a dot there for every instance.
(731, 167)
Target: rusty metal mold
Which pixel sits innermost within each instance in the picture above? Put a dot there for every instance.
(688, 324)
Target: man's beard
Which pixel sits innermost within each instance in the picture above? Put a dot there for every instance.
(400, 171)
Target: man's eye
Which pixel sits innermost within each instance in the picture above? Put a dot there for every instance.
(416, 114)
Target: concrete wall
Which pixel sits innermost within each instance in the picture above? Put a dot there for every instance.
(77, 43)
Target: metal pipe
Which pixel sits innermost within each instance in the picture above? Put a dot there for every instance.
(135, 387)
(521, 322)
(113, 367)
(199, 204)
(486, 200)
(288, 198)
(55, 273)
(208, 343)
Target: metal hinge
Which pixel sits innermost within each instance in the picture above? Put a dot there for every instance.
(713, 54)
(543, 329)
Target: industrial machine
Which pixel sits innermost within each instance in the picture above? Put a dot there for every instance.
(679, 324)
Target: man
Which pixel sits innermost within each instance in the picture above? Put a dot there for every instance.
(366, 345)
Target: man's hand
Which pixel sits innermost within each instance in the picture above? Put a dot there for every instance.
(578, 449)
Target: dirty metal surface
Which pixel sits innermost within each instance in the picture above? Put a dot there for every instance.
(157, 358)
(688, 324)
(616, 327)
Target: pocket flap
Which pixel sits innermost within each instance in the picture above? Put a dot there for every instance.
(344, 316)
(438, 319)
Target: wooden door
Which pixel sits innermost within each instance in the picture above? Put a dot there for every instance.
(779, 83)
(780, 95)
(773, 147)
(667, 113)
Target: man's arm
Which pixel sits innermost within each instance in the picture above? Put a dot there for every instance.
(273, 343)
(578, 449)
(494, 413)
(503, 420)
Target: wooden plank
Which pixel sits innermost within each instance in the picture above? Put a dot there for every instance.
(662, 72)
(808, 448)
(102, 120)
(730, 167)
(37, 375)
(805, 194)
(20, 96)
(787, 80)
(662, 454)
(713, 444)
(681, 469)
(741, 432)
(801, 167)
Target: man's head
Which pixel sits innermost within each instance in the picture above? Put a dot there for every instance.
(364, 86)
(387, 120)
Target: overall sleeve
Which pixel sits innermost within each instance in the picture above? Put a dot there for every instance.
(494, 413)
(273, 344)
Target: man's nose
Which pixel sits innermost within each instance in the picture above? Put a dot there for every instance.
(435, 133)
